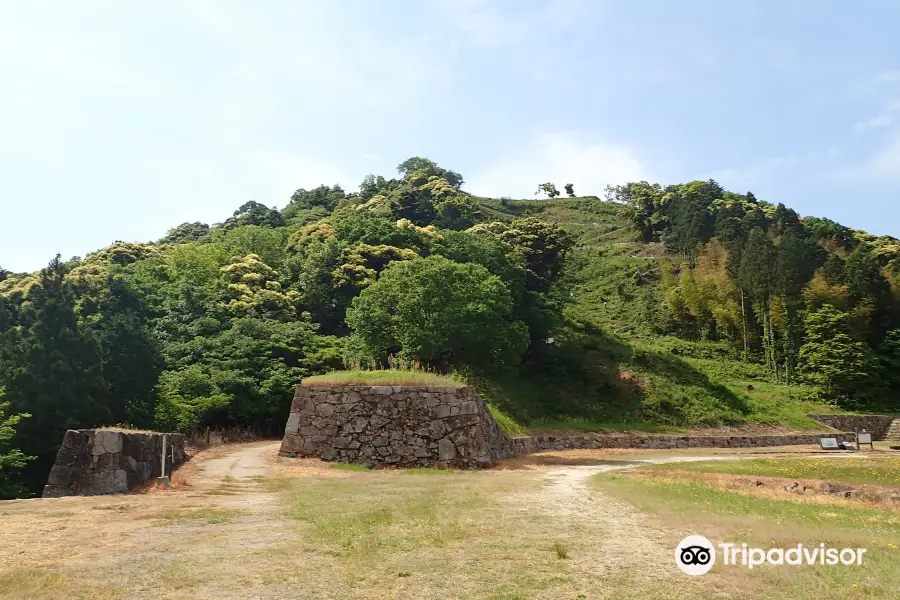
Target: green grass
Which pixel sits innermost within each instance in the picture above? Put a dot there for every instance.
(587, 425)
(875, 471)
(507, 424)
(384, 377)
(383, 515)
(349, 467)
(610, 369)
(428, 471)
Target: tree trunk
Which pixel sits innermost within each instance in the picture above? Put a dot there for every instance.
(744, 328)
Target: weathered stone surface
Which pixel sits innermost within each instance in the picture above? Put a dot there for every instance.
(394, 425)
(108, 462)
(409, 426)
(106, 442)
(877, 425)
(530, 444)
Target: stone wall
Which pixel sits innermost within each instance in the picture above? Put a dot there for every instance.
(408, 426)
(404, 426)
(93, 462)
(529, 444)
(877, 425)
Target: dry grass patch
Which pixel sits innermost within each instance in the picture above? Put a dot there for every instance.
(815, 491)
(686, 507)
(27, 584)
(200, 516)
(873, 470)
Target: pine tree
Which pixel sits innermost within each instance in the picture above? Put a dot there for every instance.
(53, 371)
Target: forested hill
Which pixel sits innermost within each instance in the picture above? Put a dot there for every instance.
(675, 306)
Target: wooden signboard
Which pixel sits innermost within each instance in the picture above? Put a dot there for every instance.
(864, 438)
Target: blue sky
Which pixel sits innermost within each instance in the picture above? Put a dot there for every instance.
(119, 120)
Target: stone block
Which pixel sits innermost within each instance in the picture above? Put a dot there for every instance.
(106, 442)
(293, 423)
(446, 449)
(61, 476)
(291, 444)
(324, 409)
(104, 482)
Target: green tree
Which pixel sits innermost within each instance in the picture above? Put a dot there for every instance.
(131, 356)
(570, 190)
(254, 213)
(186, 232)
(642, 202)
(547, 188)
(429, 168)
(867, 285)
(690, 219)
(51, 366)
(372, 186)
(439, 312)
(544, 246)
(11, 459)
(253, 289)
(303, 201)
(845, 367)
(244, 375)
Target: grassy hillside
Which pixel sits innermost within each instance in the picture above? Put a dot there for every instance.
(673, 307)
(612, 371)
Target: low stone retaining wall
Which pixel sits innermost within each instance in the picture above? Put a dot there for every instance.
(877, 425)
(404, 426)
(409, 426)
(590, 441)
(95, 462)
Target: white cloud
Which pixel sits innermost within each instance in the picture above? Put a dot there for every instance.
(884, 164)
(890, 76)
(559, 158)
(882, 120)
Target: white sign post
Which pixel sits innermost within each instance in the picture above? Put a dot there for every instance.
(163, 480)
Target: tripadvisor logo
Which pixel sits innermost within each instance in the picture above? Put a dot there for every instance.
(696, 555)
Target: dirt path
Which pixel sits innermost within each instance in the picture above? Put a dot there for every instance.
(243, 463)
(627, 543)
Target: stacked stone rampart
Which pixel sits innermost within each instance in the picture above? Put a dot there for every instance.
(94, 462)
(877, 425)
(403, 426)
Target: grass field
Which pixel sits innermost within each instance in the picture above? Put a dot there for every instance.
(383, 377)
(767, 521)
(868, 470)
(245, 523)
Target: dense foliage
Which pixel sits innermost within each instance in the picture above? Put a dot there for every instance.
(557, 310)
(808, 298)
